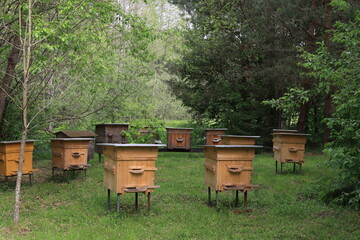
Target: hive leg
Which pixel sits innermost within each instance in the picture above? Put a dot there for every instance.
(99, 157)
(30, 180)
(276, 166)
(118, 204)
(300, 167)
(108, 200)
(236, 198)
(148, 201)
(281, 165)
(209, 196)
(217, 198)
(245, 198)
(294, 168)
(136, 201)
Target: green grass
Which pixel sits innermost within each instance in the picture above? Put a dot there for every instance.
(283, 207)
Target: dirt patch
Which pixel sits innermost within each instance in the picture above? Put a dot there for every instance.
(242, 211)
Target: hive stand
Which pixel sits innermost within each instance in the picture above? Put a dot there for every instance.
(288, 147)
(69, 154)
(10, 155)
(229, 168)
(130, 168)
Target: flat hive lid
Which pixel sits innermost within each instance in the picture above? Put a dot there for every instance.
(216, 129)
(114, 124)
(180, 128)
(239, 136)
(233, 146)
(18, 141)
(131, 145)
(291, 134)
(72, 139)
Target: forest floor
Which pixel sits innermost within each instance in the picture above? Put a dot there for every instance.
(284, 206)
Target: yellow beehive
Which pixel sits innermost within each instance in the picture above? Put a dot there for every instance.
(130, 167)
(10, 155)
(213, 135)
(238, 139)
(70, 153)
(179, 138)
(229, 167)
(289, 147)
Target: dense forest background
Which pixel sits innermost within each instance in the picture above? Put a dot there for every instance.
(249, 66)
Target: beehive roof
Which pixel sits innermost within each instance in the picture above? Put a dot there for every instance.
(77, 134)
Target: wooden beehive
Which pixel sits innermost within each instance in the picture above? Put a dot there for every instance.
(289, 147)
(80, 134)
(229, 167)
(130, 167)
(70, 153)
(213, 135)
(10, 155)
(179, 138)
(110, 133)
(238, 139)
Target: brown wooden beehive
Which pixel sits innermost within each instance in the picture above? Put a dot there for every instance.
(179, 138)
(213, 135)
(69, 153)
(289, 147)
(110, 133)
(238, 139)
(229, 167)
(10, 155)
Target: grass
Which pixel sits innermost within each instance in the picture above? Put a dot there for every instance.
(285, 206)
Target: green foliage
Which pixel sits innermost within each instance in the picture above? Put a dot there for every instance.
(146, 131)
(342, 70)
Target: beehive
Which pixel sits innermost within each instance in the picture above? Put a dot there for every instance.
(179, 138)
(238, 139)
(10, 156)
(110, 133)
(229, 167)
(289, 147)
(80, 134)
(130, 168)
(69, 153)
(213, 135)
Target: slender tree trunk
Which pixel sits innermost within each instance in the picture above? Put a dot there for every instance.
(329, 110)
(12, 61)
(311, 43)
(26, 62)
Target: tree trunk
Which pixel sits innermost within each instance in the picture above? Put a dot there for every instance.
(329, 110)
(12, 61)
(26, 48)
(311, 45)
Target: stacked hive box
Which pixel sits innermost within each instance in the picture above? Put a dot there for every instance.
(10, 155)
(110, 133)
(130, 168)
(69, 153)
(213, 135)
(289, 147)
(179, 138)
(238, 139)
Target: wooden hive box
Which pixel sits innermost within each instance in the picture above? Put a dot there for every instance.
(80, 134)
(213, 135)
(69, 153)
(179, 138)
(10, 155)
(238, 139)
(110, 133)
(229, 167)
(130, 167)
(289, 147)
